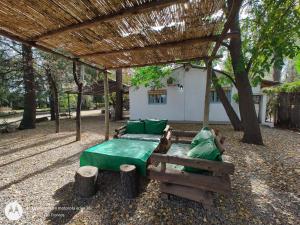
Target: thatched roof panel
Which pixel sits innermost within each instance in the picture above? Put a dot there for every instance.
(115, 25)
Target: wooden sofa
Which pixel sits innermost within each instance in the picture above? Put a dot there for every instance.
(193, 186)
(164, 139)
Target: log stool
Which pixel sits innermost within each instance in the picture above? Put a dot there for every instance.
(129, 180)
(85, 181)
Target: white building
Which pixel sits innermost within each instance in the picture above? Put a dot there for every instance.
(182, 99)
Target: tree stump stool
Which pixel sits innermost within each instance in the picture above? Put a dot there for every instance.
(86, 181)
(129, 181)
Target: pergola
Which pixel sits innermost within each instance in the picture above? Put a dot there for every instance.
(111, 34)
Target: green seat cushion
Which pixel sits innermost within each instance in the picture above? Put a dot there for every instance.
(142, 137)
(110, 155)
(207, 150)
(135, 127)
(179, 150)
(155, 126)
(203, 135)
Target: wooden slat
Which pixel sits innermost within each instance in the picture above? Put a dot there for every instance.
(220, 167)
(160, 46)
(46, 49)
(203, 182)
(183, 133)
(204, 197)
(153, 5)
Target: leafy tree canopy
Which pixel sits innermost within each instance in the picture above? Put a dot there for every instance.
(150, 76)
(270, 32)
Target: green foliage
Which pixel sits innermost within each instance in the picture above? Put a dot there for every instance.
(270, 33)
(286, 87)
(235, 97)
(63, 101)
(150, 76)
(297, 63)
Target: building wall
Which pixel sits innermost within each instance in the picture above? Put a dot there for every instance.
(182, 105)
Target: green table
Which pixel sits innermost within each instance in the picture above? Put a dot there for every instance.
(111, 154)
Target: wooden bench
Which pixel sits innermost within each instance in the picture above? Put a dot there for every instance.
(193, 186)
(164, 139)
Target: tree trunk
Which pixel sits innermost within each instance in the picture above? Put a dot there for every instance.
(56, 108)
(86, 181)
(77, 79)
(277, 67)
(129, 181)
(51, 103)
(106, 93)
(29, 114)
(54, 94)
(234, 119)
(119, 96)
(249, 118)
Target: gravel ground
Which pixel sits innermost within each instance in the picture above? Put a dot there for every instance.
(37, 170)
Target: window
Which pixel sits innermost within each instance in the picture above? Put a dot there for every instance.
(256, 99)
(214, 98)
(157, 97)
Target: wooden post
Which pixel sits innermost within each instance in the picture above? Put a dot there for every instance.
(77, 78)
(119, 96)
(207, 93)
(129, 180)
(106, 100)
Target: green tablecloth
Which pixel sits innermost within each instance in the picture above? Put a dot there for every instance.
(111, 154)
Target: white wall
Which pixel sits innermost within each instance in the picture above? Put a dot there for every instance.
(185, 105)
(182, 105)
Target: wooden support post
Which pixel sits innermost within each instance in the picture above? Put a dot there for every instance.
(129, 180)
(85, 181)
(78, 81)
(207, 93)
(106, 100)
(119, 96)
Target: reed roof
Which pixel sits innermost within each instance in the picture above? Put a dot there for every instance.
(117, 33)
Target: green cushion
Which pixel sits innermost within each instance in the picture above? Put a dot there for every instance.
(155, 126)
(203, 135)
(135, 127)
(208, 150)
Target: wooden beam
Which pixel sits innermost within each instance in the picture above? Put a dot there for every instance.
(223, 167)
(204, 197)
(208, 183)
(207, 93)
(183, 133)
(77, 78)
(164, 62)
(106, 100)
(126, 12)
(162, 46)
(46, 49)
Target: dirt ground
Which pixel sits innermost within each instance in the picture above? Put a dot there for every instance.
(37, 170)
